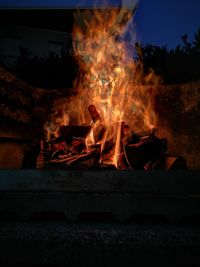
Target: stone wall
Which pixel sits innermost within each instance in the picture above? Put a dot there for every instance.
(23, 111)
(178, 119)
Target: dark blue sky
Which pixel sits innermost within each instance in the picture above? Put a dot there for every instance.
(164, 21)
(158, 21)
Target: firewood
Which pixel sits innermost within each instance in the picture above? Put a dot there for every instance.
(80, 158)
(64, 159)
(68, 132)
(73, 160)
(129, 136)
(139, 154)
(94, 113)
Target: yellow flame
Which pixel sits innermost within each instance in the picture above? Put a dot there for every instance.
(107, 78)
(109, 74)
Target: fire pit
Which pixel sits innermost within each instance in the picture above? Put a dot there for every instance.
(106, 128)
(121, 195)
(109, 121)
(70, 151)
(110, 148)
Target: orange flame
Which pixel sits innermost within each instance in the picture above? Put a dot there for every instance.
(107, 79)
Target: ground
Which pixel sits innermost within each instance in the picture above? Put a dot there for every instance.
(99, 244)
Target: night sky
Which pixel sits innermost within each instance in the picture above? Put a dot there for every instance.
(159, 22)
(164, 21)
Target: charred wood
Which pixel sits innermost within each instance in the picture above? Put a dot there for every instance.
(94, 113)
(74, 160)
(68, 132)
(139, 154)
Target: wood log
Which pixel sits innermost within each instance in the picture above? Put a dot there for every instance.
(68, 132)
(94, 113)
(72, 161)
(81, 158)
(64, 159)
(137, 155)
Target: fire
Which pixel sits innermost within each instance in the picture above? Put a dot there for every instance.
(108, 83)
(106, 86)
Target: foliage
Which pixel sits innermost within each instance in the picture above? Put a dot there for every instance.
(54, 71)
(178, 65)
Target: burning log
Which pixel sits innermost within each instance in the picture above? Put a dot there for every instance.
(81, 158)
(68, 132)
(139, 154)
(74, 160)
(94, 113)
(98, 128)
(129, 136)
(62, 150)
(77, 146)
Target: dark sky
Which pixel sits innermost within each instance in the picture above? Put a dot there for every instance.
(164, 21)
(157, 21)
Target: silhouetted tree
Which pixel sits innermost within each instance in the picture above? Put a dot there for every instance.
(178, 65)
(54, 71)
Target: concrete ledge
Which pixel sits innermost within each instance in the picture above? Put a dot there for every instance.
(174, 194)
(159, 182)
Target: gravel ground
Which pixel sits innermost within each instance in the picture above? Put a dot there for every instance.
(98, 244)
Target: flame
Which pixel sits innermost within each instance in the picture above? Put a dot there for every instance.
(57, 118)
(107, 79)
(108, 82)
